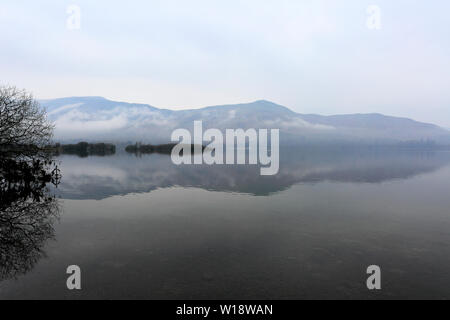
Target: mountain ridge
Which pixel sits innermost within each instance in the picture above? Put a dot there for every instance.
(89, 116)
(244, 104)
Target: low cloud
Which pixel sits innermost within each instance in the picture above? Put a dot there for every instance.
(63, 108)
(296, 124)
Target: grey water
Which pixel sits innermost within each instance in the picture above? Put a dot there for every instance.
(140, 227)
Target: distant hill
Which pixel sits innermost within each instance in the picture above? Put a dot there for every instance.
(96, 118)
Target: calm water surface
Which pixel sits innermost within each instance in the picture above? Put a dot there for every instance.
(140, 227)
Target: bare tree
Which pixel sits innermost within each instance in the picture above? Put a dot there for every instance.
(27, 208)
(23, 122)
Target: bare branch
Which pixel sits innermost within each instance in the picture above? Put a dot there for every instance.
(23, 122)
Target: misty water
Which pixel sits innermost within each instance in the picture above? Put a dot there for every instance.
(141, 227)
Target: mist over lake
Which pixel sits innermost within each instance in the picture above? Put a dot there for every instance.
(141, 227)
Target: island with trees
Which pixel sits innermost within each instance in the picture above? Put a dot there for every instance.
(139, 148)
(84, 149)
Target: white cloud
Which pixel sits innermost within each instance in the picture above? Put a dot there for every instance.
(296, 123)
(83, 124)
(76, 121)
(63, 108)
(231, 114)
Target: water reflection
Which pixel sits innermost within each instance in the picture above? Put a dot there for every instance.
(314, 240)
(27, 213)
(99, 178)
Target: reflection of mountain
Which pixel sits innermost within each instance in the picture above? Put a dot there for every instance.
(27, 214)
(96, 118)
(97, 178)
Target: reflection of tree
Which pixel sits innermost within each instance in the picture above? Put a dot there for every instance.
(27, 209)
(27, 213)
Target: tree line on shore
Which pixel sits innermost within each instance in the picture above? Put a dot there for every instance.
(149, 148)
(84, 149)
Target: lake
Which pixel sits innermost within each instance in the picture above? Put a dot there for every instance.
(140, 227)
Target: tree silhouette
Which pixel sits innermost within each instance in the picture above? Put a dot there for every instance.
(24, 127)
(27, 207)
(27, 213)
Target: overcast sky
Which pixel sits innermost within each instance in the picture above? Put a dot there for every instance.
(312, 56)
